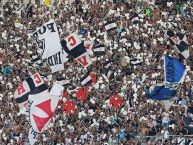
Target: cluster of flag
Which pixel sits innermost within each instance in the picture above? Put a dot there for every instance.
(179, 41)
(37, 102)
(34, 98)
(174, 70)
(174, 74)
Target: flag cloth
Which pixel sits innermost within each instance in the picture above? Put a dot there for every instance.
(148, 12)
(32, 136)
(48, 2)
(42, 107)
(179, 41)
(63, 81)
(93, 77)
(86, 80)
(161, 93)
(99, 50)
(33, 84)
(69, 107)
(116, 101)
(36, 61)
(75, 47)
(29, 10)
(82, 31)
(109, 26)
(48, 43)
(82, 93)
(174, 71)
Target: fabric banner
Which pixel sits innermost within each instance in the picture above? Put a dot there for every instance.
(110, 26)
(48, 2)
(75, 47)
(48, 42)
(161, 93)
(62, 81)
(99, 50)
(33, 84)
(32, 136)
(56, 61)
(41, 109)
(174, 70)
(179, 41)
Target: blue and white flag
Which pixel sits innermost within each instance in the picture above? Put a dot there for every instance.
(161, 93)
(174, 70)
(82, 31)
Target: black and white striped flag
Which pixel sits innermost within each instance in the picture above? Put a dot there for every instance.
(179, 41)
(99, 50)
(86, 80)
(36, 61)
(109, 26)
(63, 81)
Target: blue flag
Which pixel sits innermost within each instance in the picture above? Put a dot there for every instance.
(161, 93)
(82, 31)
(174, 70)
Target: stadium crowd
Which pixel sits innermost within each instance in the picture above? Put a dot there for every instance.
(139, 121)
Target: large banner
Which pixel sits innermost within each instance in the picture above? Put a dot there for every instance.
(48, 41)
(42, 107)
(174, 70)
(33, 84)
(75, 47)
(161, 93)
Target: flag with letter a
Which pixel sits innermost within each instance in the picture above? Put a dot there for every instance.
(33, 84)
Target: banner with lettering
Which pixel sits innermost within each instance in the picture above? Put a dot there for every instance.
(75, 47)
(174, 70)
(33, 84)
(48, 42)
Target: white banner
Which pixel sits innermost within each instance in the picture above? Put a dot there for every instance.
(32, 136)
(48, 41)
(41, 109)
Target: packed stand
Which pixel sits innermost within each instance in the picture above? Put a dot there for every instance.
(95, 121)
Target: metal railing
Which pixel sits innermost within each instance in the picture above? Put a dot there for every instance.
(171, 138)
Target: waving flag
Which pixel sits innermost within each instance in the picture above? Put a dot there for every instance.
(174, 70)
(48, 2)
(42, 107)
(179, 41)
(116, 101)
(33, 84)
(99, 50)
(82, 31)
(111, 25)
(69, 107)
(63, 81)
(48, 42)
(86, 80)
(82, 93)
(161, 93)
(75, 47)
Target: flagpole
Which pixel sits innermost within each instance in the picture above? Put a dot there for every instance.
(164, 69)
